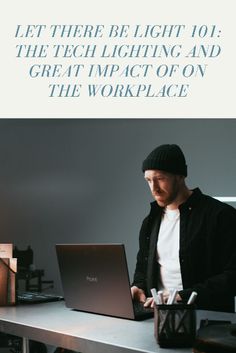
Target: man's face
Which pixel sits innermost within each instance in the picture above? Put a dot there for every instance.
(164, 186)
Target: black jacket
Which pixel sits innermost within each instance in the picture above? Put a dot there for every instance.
(207, 251)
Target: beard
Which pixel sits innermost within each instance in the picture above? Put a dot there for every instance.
(165, 198)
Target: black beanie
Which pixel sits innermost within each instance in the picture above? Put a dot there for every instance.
(168, 158)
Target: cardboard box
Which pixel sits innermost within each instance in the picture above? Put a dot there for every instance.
(6, 250)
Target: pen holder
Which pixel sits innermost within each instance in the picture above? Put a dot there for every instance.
(175, 325)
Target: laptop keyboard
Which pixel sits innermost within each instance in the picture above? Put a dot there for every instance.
(141, 312)
(36, 297)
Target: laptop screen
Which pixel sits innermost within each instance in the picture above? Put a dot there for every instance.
(95, 278)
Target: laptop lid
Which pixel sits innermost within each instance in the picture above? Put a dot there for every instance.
(95, 278)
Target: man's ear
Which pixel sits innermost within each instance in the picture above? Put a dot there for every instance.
(181, 178)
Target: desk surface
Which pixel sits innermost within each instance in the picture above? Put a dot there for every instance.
(54, 324)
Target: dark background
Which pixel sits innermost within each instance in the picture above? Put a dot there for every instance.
(80, 180)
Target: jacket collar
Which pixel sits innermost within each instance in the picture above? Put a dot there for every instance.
(193, 199)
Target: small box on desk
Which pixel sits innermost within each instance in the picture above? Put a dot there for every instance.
(8, 269)
(175, 325)
(6, 250)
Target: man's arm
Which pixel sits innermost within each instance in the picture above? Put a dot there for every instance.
(140, 274)
(217, 291)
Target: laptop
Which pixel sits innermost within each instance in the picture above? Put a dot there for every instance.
(95, 279)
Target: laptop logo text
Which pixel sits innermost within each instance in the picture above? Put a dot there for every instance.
(91, 279)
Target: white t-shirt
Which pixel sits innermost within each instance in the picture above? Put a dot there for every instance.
(168, 250)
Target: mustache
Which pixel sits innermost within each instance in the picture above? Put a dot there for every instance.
(157, 192)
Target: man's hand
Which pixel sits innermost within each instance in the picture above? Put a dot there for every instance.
(138, 294)
(149, 302)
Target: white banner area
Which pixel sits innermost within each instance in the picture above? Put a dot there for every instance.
(117, 60)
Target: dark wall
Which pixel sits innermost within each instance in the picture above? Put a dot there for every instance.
(80, 180)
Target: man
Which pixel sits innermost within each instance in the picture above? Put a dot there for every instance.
(188, 240)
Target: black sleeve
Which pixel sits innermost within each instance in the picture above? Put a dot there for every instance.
(217, 291)
(140, 274)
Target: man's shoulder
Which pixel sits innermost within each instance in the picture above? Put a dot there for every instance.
(155, 211)
(212, 203)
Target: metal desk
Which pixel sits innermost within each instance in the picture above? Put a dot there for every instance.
(56, 325)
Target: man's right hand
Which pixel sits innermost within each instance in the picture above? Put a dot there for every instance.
(138, 294)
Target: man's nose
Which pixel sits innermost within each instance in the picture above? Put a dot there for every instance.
(155, 186)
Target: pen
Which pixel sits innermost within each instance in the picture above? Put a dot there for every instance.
(154, 295)
(172, 297)
(192, 298)
(160, 296)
